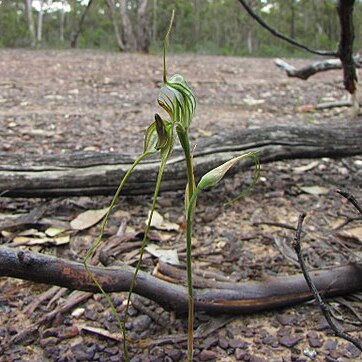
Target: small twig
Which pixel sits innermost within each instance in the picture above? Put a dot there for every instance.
(323, 306)
(351, 199)
(277, 224)
(348, 220)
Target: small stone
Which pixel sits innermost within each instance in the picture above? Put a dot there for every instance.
(50, 341)
(352, 351)
(223, 342)
(78, 312)
(335, 354)
(289, 340)
(286, 319)
(2, 331)
(315, 342)
(210, 342)
(309, 352)
(111, 350)
(240, 354)
(68, 332)
(257, 359)
(207, 355)
(330, 344)
(269, 339)
(50, 332)
(52, 351)
(82, 354)
(141, 323)
(238, 343)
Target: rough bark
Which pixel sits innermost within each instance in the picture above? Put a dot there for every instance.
(226, 298)
(345, 47)
(100, 173)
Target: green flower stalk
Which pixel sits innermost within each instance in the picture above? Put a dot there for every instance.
(178, 100)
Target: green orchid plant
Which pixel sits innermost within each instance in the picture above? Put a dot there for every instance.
(178, 100)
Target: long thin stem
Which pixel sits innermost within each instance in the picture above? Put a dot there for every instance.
(190, 201)
(189, 220)
(96, 244)
(185, 143)
(147, 229)
(165, 45)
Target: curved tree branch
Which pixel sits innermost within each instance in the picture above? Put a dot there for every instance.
(282, 36)
(314, 68)
(229, 298)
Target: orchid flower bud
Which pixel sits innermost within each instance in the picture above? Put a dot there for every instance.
(213, 177)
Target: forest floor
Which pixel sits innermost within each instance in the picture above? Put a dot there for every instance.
(59, 102)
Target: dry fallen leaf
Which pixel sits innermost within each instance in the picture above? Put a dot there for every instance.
(205, 133)
(158, 222)
(28, 240)
(32, 232)
(88, 218)
(54, 231)
(167, 255)
(315, 190)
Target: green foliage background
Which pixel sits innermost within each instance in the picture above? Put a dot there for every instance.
(201, 26)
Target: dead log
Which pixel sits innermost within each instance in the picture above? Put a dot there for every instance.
(232, 298)
(100, 173)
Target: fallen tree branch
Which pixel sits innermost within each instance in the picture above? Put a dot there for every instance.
(100, 173)
(236, 298)
(314, 68)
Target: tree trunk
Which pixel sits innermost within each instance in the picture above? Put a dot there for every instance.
(61, 22)
(29, 16)
(113, 16)
(143, 27)
(100, 173)
(75, 35)
(154, 21)
(39, 34)
(129, 38)
(292, 19)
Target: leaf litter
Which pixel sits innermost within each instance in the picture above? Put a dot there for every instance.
(223, 244)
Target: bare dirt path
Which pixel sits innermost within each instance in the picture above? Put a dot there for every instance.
(54, 102)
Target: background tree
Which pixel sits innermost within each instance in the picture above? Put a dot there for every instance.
(203, 26)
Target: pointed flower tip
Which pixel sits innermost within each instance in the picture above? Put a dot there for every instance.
(213, 177)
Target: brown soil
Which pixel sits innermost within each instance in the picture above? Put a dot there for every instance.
(54, 102)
